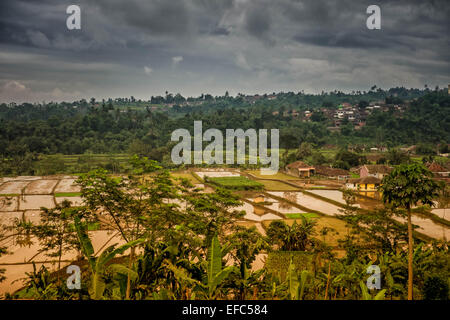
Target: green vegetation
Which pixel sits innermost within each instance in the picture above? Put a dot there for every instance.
(187, 176)
(307, 215)
(236, 183)
(67, 194)
(405, 187)
(271, 185)
(80, 136)
(199, 251)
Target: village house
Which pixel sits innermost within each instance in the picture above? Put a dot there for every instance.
(438, 170)
(368, 183)
(332, 173)
(300, 169)
(378, 171)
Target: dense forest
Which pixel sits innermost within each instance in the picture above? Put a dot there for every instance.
(132, 126)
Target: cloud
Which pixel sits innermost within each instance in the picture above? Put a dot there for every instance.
(241, 61)
(37, 38)
(176, 60)
(244, 46)
(148, 70)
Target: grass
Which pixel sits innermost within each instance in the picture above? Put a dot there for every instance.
(307, 215)
(271, 185)
(236, 183)
(9, 195)
(187, 176)
(67, 194)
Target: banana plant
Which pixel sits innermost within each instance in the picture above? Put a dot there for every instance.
(215, 273)
(296, 285)
(97, 265)
(367, 296)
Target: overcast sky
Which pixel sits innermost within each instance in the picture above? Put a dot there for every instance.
(145, 47)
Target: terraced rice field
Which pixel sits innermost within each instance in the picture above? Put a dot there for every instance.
(252, 214)
(309, 202)
(13, 187)
(217, 174)
(429, 228)
(17, 263)
(271, 185)
(185, 175)
(281, 207)
(67, 186)
(30, 202)
(339, 230)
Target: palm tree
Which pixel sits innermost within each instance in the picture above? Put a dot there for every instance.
(405, 187)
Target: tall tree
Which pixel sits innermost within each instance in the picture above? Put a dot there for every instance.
(407, 186)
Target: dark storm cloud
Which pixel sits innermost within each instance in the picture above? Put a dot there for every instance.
(144, 47)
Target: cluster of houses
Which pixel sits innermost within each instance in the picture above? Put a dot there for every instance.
(345, 113)
(370, 175)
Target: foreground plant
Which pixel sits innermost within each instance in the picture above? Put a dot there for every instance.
(98, 265)
(405, 187)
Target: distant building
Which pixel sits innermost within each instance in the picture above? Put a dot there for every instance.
(378, 171)
(332, 173)
(363, 184)
(438, 170)
(300, 169)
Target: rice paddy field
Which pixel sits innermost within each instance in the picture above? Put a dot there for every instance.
(278, 175)
(23, 197)
(236, 183)
(338, 229)
(309, 202)
(271, 185)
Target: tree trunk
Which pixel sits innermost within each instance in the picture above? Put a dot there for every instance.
(410, 257)
(328, 280)
(130, 265)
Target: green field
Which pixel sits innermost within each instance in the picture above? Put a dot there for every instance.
(236, 183)
(270, 185)
(299, 215)
(67, 194)
(184, 175)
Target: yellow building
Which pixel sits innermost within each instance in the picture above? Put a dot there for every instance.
(364, 184)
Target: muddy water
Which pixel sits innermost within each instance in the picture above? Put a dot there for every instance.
(9, 203)
(217, 174)
(33, 202)
(20, 254)
(429, 228)
(13, 187)
(442, 213)
(67, 185)
(309, 202)
(250, 213)
(281, 207)
(335, 195)
(41, 187)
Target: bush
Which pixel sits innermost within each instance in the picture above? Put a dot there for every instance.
(436, 288)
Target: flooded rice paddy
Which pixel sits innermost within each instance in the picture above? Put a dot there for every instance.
(309, 202)
(22, 198)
